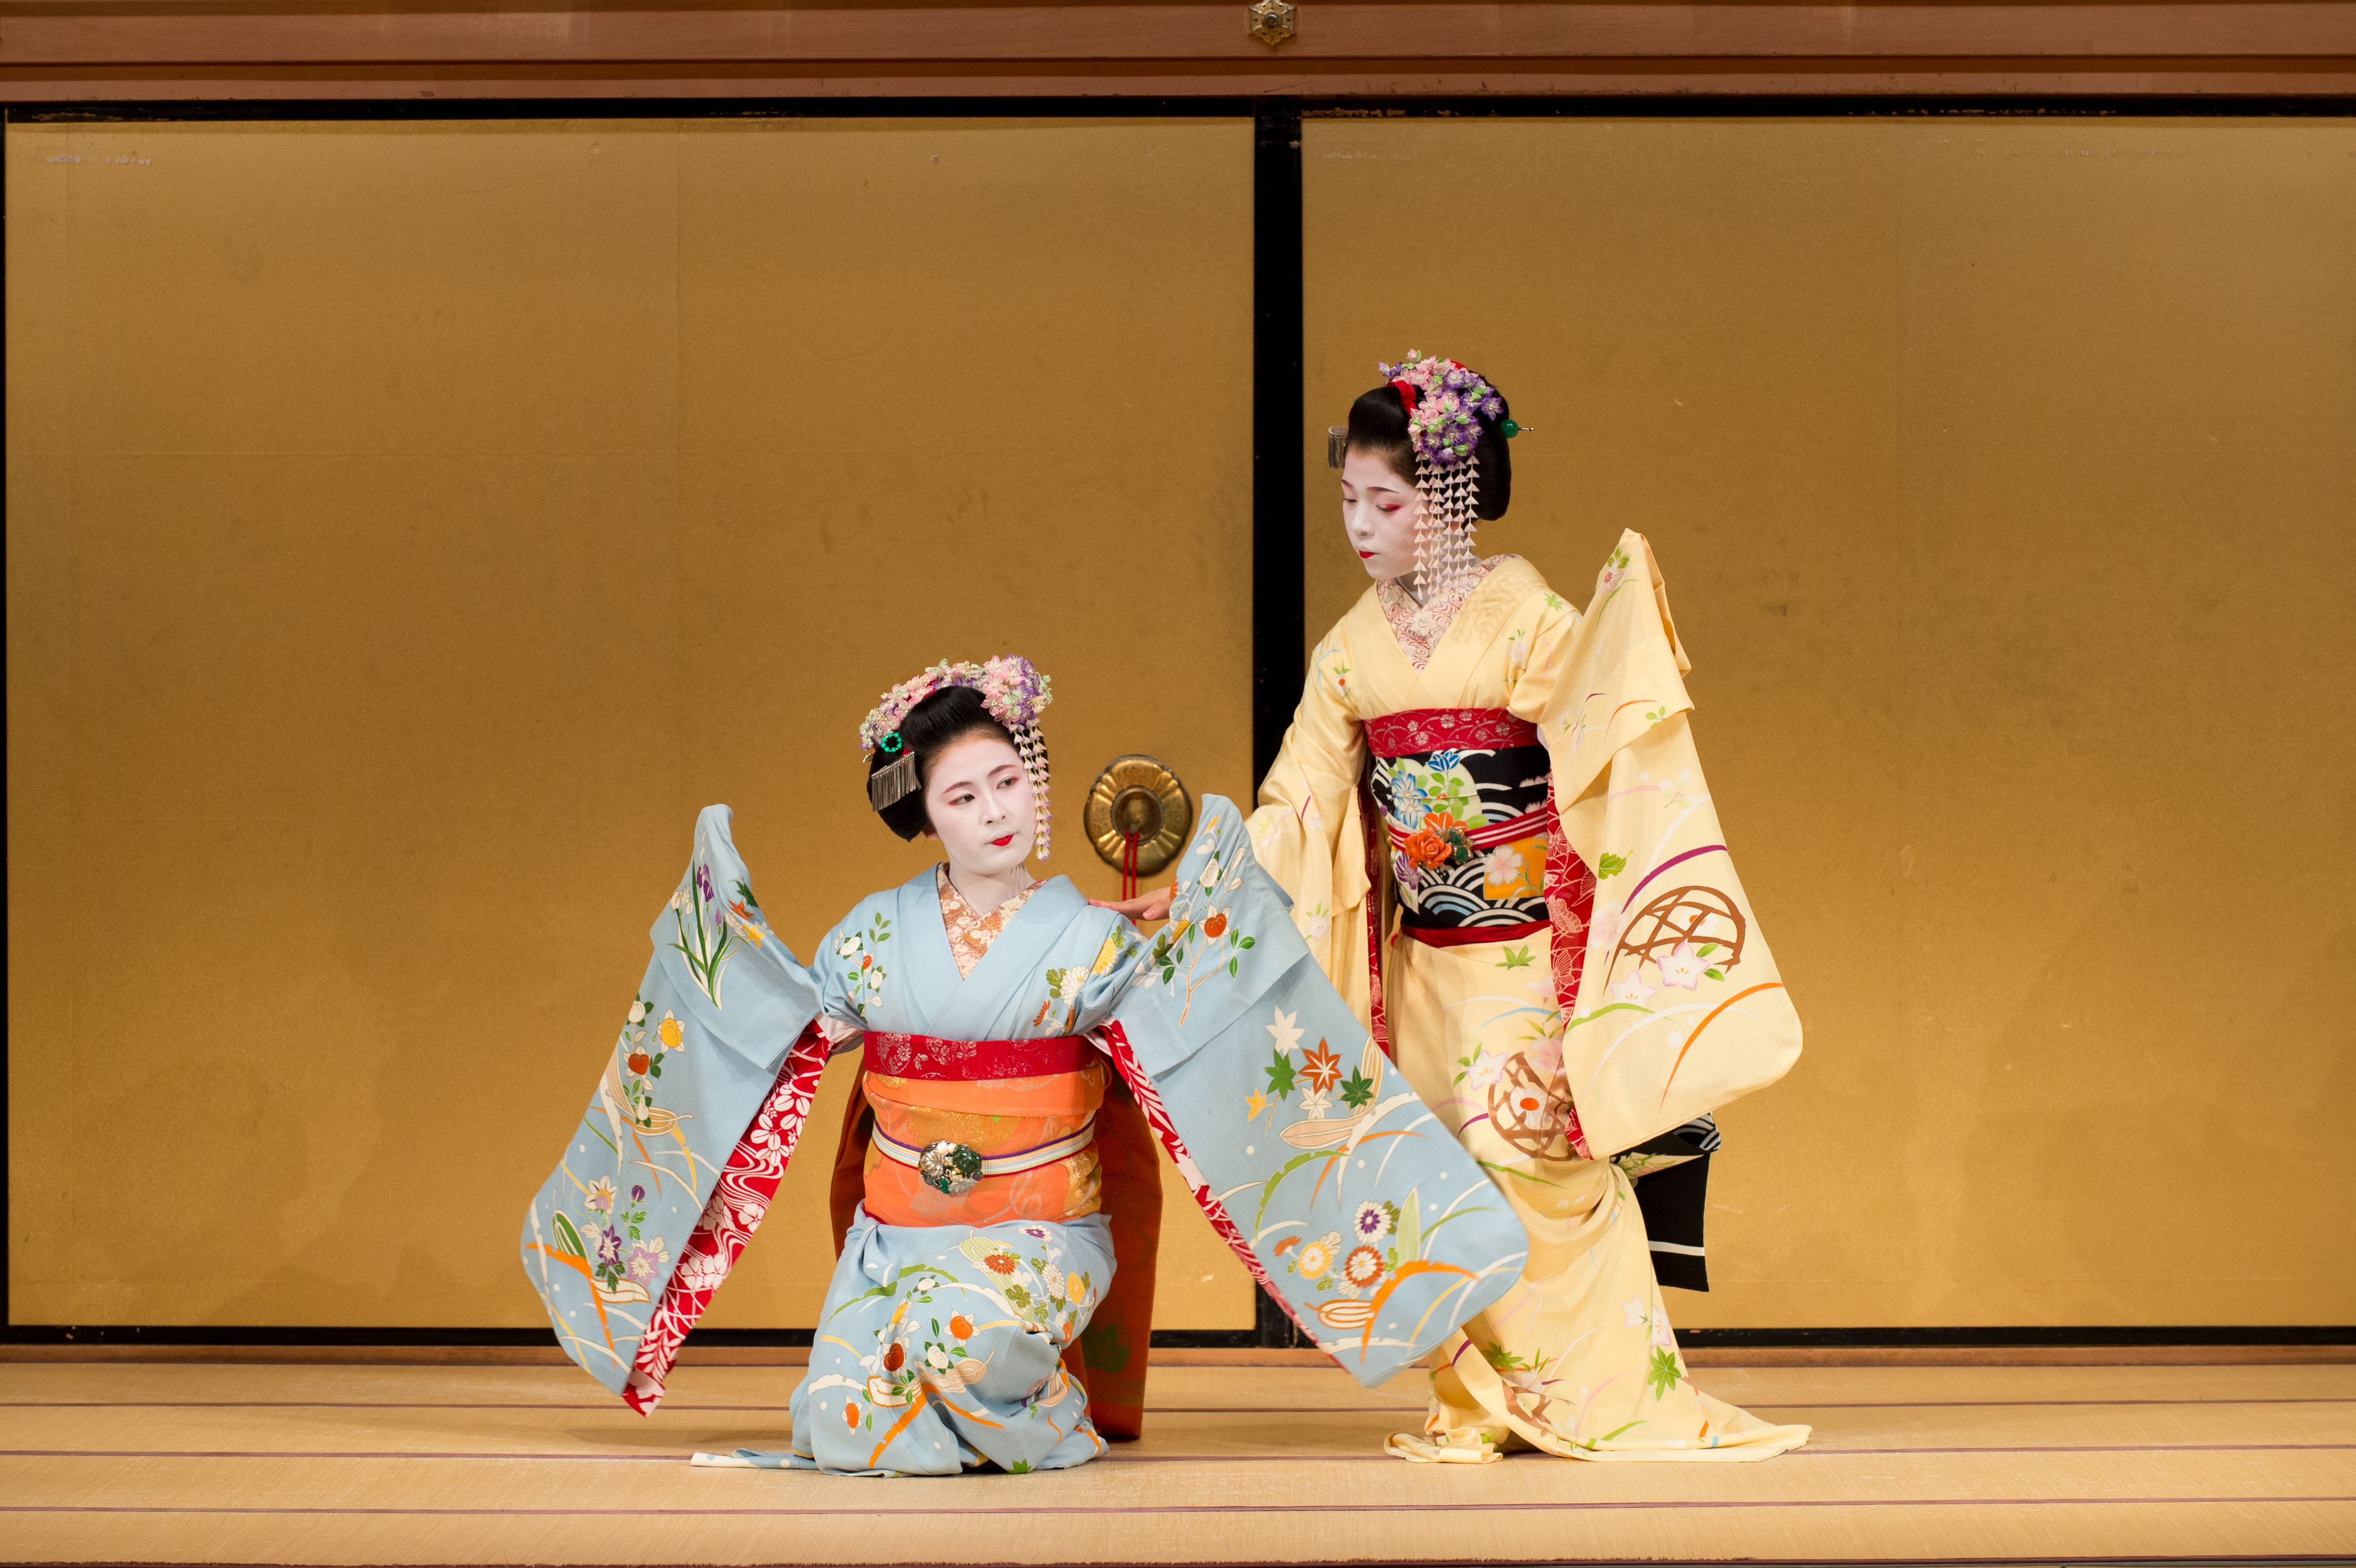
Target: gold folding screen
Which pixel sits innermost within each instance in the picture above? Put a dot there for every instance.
(411, 525)
(2000, 471)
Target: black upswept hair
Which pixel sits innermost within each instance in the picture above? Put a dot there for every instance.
(1379, 428)
(932, 727)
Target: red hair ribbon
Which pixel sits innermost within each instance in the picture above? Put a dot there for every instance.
(1406, 395)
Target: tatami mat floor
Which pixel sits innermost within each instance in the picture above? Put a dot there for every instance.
(516, 1464)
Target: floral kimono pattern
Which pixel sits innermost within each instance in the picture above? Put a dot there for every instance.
(1328, 1174)
(936, 1359)
(1605, 1018)
(942, 1346)
(687, 1134)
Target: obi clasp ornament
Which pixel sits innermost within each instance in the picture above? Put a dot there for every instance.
(949, 1167)
(956, 1170)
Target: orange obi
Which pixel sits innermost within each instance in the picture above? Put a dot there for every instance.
(926, 1093)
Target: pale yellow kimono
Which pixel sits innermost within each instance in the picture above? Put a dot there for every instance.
(1677, 1008)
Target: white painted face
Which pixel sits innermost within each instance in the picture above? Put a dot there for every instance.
(1379, 510)
(981, 806)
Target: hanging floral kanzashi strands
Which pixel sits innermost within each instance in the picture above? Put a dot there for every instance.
(1446, 405)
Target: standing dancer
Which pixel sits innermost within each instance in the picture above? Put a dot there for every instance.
(1493, 825)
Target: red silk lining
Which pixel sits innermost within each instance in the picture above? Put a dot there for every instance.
(737, 1205)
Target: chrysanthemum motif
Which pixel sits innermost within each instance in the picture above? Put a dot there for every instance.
(1363, 1267)
(1371, 1223)
(1317, 1257)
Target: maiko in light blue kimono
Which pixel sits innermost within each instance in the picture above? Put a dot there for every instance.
(941, 1347)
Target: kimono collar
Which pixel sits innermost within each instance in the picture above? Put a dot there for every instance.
(946, 1001)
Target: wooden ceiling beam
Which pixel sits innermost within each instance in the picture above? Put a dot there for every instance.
(76, 48)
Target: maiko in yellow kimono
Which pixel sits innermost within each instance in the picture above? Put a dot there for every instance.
(1500, 845)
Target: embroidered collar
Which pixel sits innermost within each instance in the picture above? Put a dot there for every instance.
(1419, 627)
(970, 932)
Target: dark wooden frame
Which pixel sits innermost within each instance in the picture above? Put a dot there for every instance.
(99, 50)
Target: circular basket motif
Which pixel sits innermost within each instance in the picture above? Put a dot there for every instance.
(1137, 794)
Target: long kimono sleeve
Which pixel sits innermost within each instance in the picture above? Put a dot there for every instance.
(1678, 1007)
(1305, 833)
(849, 971)
(674, 1160)
(1311, 1156)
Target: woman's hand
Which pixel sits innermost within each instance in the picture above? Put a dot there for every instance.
(1154, 905)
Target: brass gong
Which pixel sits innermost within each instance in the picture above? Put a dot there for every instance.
(1137, 794)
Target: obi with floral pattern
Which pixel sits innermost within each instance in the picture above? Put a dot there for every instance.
(1461, 794)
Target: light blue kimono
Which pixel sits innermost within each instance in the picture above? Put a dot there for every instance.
(1366, 1219)
(939, 1347)
(1058, 967)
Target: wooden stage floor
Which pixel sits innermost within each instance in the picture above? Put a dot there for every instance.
(343, 1463)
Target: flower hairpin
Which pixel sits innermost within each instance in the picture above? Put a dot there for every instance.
(1445, 405)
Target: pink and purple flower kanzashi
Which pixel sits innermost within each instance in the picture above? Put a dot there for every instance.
(1443, 418)
(1011, 686)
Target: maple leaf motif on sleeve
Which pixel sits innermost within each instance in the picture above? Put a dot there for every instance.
(1323, 1067)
